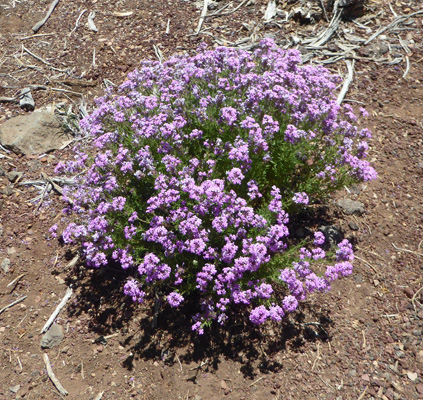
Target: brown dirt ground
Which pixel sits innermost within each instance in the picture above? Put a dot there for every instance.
(368, 344)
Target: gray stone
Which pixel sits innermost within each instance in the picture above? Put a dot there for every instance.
(351, 207)
(353, 226)
(332, 234)
(34, 133)
(13, 176)
(52, 337)
(15, 389)
(5, 265)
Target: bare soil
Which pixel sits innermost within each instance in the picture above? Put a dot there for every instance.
(363, 340)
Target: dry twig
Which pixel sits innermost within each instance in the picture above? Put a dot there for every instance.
(53, 378)
(347, 81)
(15, 281)
(407, 251)
(56, 312)
(392, 25)
(202, 16)
(99, 396)
(43, 61)
(12, 304)
(39, 24)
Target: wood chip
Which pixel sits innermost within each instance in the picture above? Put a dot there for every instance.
(122, 14)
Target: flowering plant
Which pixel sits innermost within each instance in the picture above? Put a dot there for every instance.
(198, 164)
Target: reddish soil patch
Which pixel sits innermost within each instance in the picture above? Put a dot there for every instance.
(361, 341)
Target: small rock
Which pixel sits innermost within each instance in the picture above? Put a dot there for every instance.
(365, 378)
(5, 265)
(6, 190)
(332, 234)
(408, 292)
(353, 226)
(400, 354)
(419, 388)
(223, 385)
(52, 337)
(13, 176)
(11, 250)
(412, 376)
(351, 207)
(417, 332)
(197, 397)
(419, 357)
(2, 329)
(15, 389)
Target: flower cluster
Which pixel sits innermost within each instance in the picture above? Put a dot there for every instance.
(198, 163)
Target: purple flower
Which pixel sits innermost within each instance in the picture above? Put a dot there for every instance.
(289, 304)
(132, 289)
(300, 198)
(319, 238)
(53, 231)
(229, 114)
(259, 314)
(276, 312)
(235, 176)
(174, 299)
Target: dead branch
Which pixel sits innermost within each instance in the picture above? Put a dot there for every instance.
(9, 100)
(330, 30)
(72, 263)
(347, 81)
(395, 22)
(99, 396)
(43, 61)
(218, 13)
(15, 281)
(12, 304)
(56, 312)
(202, 16)
(52, 377)
(39, 24)
(77, 22)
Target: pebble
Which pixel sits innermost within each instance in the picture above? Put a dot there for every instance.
(11, 250)
(400, 354)
(408, 292)
(419, 357)
(353, 226)
(5, 265)
(15, 389)
(14, 175)
(417, 332)
(412, 376)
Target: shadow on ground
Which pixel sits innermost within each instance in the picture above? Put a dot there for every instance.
(162, 333)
